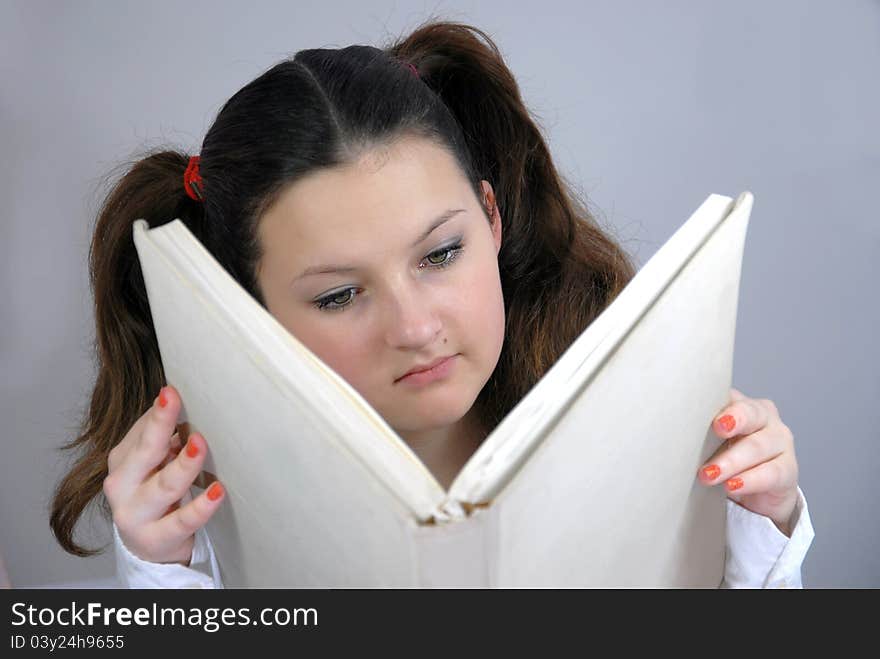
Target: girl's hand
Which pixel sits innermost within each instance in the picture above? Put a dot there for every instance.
(148, 475)
(757, 463)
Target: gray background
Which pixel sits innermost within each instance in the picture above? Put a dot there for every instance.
(648, 107)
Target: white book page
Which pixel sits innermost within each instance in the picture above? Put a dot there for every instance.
(610, 497)
(290, 365)
(521, 431)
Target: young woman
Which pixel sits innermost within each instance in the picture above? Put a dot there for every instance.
(393, 208)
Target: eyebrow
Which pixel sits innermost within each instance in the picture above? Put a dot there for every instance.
(327, 268)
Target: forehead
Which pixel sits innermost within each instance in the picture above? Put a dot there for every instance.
(386, 195)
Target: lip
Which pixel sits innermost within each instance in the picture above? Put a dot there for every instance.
(433, 371)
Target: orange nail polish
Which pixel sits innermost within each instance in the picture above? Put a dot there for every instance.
(734, 484)
(191, 449)
(711, 472)
(163, 400)
(215, 491)
(727, 422)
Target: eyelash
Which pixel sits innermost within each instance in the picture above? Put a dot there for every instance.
(454, 252)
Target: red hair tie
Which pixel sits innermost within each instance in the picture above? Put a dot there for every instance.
(413, 69)
(192, 181)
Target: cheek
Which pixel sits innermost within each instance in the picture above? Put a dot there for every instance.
(496, 321)
(346, 353)
(483, 308)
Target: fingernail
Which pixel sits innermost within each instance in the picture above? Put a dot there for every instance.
(734, 484)
(191, 449)
(711, 472)
(163, 399)
(215, 491)
(727, 422)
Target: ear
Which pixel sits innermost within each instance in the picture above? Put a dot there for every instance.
(491, 206)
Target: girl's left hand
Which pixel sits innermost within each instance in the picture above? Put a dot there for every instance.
(757, 463)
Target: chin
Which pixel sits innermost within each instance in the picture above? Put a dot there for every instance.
(412, 421)
(429, 414)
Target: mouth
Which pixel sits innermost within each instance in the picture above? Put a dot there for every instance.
(427, 370)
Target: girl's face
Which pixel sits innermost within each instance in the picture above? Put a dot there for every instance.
(387, 265)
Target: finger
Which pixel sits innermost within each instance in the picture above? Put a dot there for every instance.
(119, 452)
(736, 457)
(174, 528)
(152, 444)
(170, 483)
(173, 451)
(741, 417)
(119, 484)
(174, 506)
(776, 475)
(736, 394)
(186, 498)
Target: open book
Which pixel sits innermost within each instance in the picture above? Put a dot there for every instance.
(591, 480)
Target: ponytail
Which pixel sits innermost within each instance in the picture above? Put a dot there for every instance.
(129, 368)
(558, 269)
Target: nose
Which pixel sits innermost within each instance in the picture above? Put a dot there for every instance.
(411, 321)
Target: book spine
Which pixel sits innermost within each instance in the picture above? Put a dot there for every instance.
(455, 554)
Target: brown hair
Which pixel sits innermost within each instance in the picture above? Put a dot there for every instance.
(320, 109)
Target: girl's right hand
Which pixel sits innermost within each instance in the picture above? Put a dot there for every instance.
(148, 475)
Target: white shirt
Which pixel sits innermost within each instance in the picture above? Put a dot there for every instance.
(759, 555)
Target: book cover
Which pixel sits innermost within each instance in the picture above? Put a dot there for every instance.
(589, 481)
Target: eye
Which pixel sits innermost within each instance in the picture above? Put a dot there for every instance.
(336, 301)
(447, 256)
